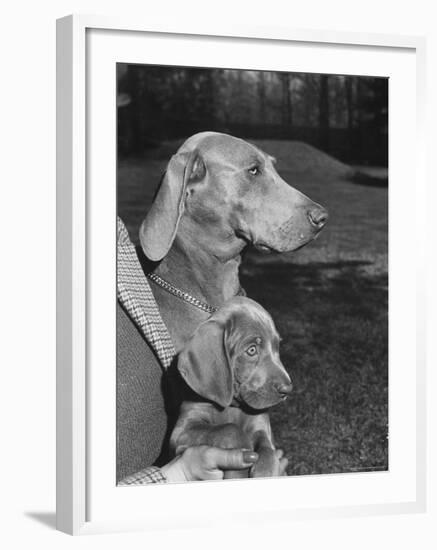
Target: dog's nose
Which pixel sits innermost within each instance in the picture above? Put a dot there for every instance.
(285, 389)
(318, 217)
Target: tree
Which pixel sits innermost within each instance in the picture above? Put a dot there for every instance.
(287, 107)
(262, 96)
(324, 111)
(349, 102)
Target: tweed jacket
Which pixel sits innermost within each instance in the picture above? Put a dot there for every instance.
(144, 352)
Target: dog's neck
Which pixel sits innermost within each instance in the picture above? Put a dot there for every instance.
(212, 278)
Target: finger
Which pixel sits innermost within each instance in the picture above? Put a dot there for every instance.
(283, 463)
(230, 459)
(279, 453)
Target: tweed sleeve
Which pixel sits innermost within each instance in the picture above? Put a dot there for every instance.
(152, 474)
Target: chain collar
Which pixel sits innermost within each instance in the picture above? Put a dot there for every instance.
(181, 294)
(184, 295)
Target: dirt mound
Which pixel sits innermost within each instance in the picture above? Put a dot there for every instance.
(304, 159)
(296, 157)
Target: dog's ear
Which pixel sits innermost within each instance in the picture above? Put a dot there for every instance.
(158, 230)
(205, 365)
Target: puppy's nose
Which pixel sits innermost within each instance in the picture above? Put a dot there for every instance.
(318, 217)
(285, 389)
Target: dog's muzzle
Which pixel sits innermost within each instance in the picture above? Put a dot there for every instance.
(318, 217)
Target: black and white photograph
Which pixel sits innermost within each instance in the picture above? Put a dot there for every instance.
(252, 274)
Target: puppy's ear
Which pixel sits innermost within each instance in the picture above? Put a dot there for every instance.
(159, 228)
(205, 365)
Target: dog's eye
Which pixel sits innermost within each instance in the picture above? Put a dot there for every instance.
(251, 351)
(254, 171)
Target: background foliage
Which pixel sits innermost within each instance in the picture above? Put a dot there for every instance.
(343, 115)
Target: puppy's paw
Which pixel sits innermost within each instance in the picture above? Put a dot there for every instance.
(267, 465)
(271, 463)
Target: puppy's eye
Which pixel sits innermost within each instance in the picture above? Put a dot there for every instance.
(254, 171)
(251, 351)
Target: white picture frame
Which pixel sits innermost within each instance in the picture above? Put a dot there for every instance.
(76, 211)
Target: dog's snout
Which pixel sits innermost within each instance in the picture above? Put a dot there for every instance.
(318, 217)
(285, 389)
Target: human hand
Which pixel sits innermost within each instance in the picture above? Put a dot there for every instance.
(207, 463)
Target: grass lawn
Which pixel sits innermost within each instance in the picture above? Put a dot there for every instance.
(330, 304)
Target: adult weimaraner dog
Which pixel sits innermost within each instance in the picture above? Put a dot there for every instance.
(219, 194)
(232, 361)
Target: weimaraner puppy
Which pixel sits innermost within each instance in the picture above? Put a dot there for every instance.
(232, 364)
(218, 194)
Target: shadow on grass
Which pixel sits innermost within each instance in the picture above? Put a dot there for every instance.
(333, 319)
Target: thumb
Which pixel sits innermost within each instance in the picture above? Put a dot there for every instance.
(232, 459)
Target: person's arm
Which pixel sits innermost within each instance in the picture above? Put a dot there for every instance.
(152, 474)
(200, 464)
(194, 464)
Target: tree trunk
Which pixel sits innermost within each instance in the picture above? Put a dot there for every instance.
(286, 99)
(324, 112)
(349, 103)
(210, 97)
(262, 96)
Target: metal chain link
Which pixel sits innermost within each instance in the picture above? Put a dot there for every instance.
(180, 294)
